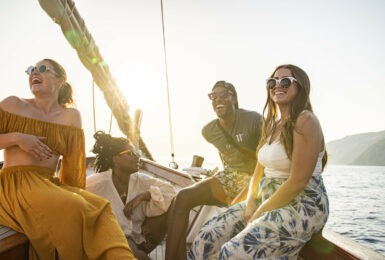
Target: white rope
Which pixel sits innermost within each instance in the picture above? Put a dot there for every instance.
(172, 164)
(93, 103)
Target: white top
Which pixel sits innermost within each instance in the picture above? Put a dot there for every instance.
(162, 194)
(276, 163)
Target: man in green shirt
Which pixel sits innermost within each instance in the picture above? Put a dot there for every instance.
(235, 133)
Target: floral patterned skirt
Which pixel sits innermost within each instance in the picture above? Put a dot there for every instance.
(277, 234)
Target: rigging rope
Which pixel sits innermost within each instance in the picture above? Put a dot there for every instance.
(109, 132)
(93, 103)
(93, 108)
(172, 164)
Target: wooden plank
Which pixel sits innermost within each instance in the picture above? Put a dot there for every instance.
(332, 246)
(177, 177)
(347, 246)
(14, 247)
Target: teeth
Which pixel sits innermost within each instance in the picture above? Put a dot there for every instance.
(36, 80)
(220, 106)
(277, 93)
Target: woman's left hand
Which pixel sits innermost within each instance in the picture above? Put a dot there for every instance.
(135, 202)
(256, 215)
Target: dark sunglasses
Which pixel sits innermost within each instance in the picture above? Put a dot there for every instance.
(222, 94)
(42, 68)
(283, 83)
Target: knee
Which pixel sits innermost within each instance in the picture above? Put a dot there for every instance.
(183, 199)
(75, 206)
(225, 251)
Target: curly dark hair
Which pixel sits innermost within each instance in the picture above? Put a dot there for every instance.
(105, 148)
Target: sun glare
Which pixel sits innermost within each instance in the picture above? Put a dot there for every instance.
(141, 86)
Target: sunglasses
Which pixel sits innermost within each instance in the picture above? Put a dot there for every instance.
(129, 152)
(283, 83)
(41, 69)
(222, 94)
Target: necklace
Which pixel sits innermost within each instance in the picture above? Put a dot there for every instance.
(123, 195)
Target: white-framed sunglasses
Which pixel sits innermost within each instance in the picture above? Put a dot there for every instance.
(41, 69)
(283, 83)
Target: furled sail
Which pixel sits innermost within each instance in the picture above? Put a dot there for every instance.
(65, 14)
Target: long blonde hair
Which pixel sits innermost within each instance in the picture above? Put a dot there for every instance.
(300, 103)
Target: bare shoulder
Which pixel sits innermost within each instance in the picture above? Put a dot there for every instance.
(11, 104)
(307, 123)
(71, 116)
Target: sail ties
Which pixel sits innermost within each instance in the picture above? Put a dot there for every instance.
(65, 14)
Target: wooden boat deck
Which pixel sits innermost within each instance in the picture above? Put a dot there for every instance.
(326, 246)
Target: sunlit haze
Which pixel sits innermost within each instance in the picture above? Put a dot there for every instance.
(340, 44)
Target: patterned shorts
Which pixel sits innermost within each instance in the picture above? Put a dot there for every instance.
(233, 182)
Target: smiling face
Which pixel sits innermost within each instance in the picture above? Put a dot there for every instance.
(224, 102)
(284, 96)
(46, 83)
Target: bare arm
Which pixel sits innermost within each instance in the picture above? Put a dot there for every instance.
(28, 143)
(251, 207)
(8, 140)
(135, 202)
(307, 143)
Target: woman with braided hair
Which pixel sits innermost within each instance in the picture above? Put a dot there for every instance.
(140, 201)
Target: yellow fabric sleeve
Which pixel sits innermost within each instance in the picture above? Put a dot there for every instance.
(73, 165)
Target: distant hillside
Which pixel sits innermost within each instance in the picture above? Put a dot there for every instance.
(374, 155)
(360, 149)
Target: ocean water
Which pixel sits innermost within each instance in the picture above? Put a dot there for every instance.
(357, 203)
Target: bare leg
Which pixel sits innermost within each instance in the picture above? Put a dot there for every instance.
(154, 229)
(208, 192)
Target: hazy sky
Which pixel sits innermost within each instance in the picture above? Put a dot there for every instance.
(340, 44)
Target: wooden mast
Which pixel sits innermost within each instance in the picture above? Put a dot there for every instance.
(65, 14)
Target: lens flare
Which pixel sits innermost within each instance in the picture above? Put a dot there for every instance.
(73, 37)
(254, 184)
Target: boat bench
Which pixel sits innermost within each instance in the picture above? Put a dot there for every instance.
(13, 245)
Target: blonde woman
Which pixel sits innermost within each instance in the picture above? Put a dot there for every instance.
(56, 214)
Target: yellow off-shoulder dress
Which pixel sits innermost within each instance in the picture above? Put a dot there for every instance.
(57, 213)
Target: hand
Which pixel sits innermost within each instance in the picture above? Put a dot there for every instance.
(32, 144)
(255, 215)
(135, 202)
(250, 207)
(248, 213)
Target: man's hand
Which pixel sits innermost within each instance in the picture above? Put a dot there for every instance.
(135, 202)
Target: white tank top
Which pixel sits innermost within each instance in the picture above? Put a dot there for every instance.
(276, 163)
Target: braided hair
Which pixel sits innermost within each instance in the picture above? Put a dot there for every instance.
(105, 148)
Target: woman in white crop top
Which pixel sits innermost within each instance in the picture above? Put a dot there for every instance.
(287, 201)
